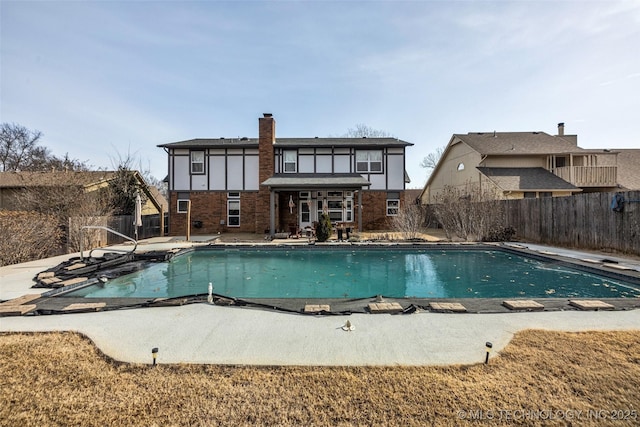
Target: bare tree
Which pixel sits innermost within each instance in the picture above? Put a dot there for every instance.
(66, 163)
(431, 160)
(25, 236)
(19, 152)
(468, 212)
(125, 187)
(409, 221)
(361, 130)
(18, 147)
(69, 197)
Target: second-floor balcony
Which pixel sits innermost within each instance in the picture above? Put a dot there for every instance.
(589, 176)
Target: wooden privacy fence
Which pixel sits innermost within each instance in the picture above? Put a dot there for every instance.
(124, 224)
(582, 221)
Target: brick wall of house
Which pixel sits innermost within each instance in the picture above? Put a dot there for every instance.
(287, 217)
(211, 208)
(374, 210)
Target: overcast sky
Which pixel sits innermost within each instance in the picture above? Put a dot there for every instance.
(101, 79)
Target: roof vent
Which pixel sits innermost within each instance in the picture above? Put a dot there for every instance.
(222, 137)
(244, 138)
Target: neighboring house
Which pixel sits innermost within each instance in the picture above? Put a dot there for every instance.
(270, 184)
(629, 169)
(412, 196)
(12, 184)
(522, 164)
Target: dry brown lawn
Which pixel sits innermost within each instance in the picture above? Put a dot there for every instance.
(572, 378)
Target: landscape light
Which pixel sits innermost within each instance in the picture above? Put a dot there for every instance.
(154, 353)
(489, 346)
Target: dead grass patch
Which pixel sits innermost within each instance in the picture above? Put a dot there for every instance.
(62, 379)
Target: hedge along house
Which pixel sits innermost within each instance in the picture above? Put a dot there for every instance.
(269, 185)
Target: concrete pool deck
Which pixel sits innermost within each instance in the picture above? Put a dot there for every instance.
(240, 335)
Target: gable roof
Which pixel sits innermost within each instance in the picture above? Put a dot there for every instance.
(526, 179)
(509, 143)
(53, 179)
(287, 142)
(629, 168)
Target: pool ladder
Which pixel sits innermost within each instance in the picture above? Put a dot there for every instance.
(100, 227)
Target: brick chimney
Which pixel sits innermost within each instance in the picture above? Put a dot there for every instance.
(266, 169)
(560, 129)
(266, 138)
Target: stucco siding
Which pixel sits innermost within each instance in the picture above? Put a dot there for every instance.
(181, 177)
(217, 180)
(458, 168)
(342, 164)
(235, 173)
(305, 164)
(378, 181)
(395, 172)
(251, 167)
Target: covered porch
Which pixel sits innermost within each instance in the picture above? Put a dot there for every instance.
(297, 201)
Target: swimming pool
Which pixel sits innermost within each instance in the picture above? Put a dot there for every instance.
(364, 272)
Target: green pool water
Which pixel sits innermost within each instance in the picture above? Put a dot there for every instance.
(361, 273)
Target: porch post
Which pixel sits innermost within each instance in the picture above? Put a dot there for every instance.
(161, 220)
(272, 213)
(360, 210)
(571, 169)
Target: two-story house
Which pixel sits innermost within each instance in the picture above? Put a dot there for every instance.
(270, 184)
(522, 164)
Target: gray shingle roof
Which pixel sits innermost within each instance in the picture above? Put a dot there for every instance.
(629, 168)
(213, 143)
(526, 179)
(288, 142)
(317, 180)
(507, 143)
(331, 142)
(52, 179)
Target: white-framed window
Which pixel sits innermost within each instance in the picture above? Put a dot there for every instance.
(197, 162)
(393, 205)
(339, 206)
(290, 161)
(460, 166)
(233, 212)
(183, 202)
(183, 206)
(369, 161)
